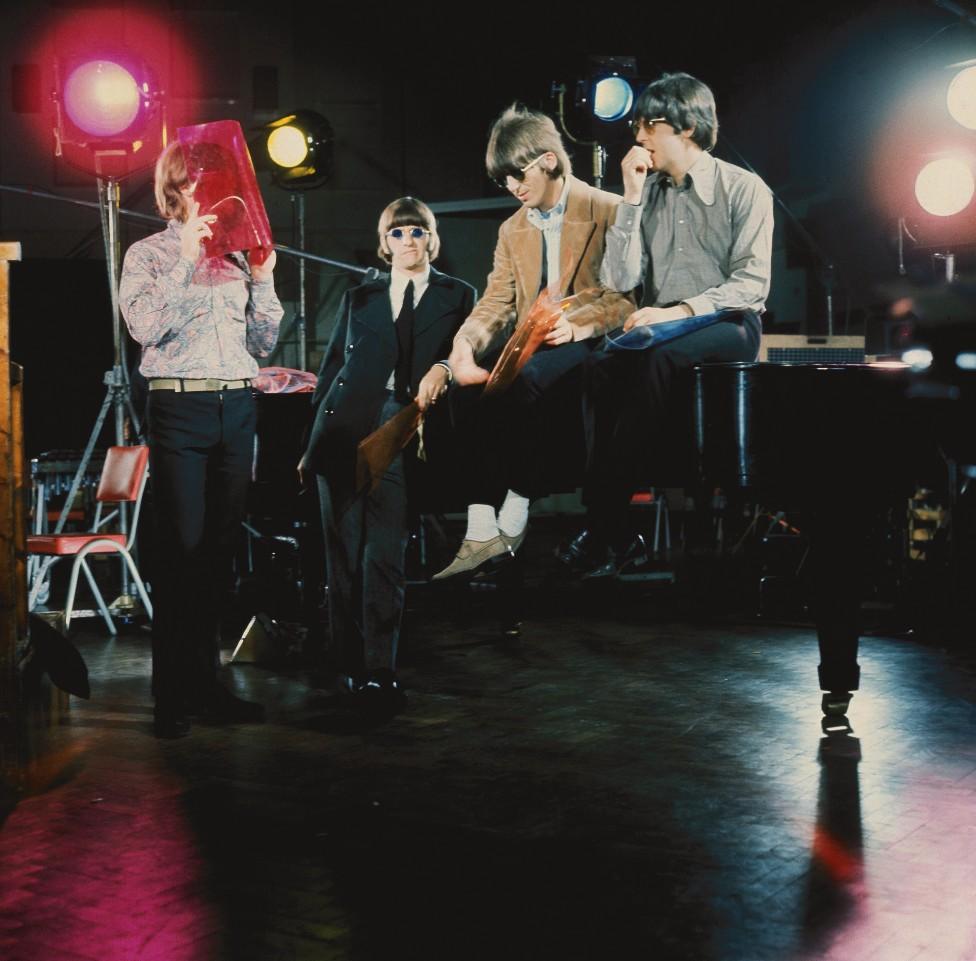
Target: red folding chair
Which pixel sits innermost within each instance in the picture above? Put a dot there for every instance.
(123, 480)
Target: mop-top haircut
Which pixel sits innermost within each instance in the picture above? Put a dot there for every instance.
(170, 178)
(408, 212)
(685, 102)
(520, 135)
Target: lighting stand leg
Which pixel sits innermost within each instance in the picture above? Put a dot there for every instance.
(949, 260)
(118, 378)
(599, 165)
(118, 395)
(300, 320)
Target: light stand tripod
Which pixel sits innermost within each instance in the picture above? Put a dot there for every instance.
(299, 200)
(599, 153)
(118, 396)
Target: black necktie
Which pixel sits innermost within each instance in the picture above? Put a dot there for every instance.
(404, 332)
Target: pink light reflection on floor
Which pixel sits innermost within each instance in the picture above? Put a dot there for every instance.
(105, 867)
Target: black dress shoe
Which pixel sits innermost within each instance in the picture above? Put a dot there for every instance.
(614, 561)
(578, 553)
(170, 722)
(379, 695)
(220, 706)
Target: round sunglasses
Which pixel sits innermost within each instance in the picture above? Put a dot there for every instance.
(399, 233)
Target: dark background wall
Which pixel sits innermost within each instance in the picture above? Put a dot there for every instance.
(807, 96)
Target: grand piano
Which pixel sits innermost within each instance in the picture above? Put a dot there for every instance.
(837, 443)
(841, 444)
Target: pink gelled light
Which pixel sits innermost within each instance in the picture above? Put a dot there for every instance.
(102, 98)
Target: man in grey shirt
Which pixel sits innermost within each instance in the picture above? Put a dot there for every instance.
(695, 234)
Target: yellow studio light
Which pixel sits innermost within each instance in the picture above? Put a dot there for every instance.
(287, 146)
(299, 148)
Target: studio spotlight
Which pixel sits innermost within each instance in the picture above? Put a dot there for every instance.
(604, 100)
(609, 89)
(945, 186)
(299, 148)
(108, 117)
(961, 97)
(613, 98)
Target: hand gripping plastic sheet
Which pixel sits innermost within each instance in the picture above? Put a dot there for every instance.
(651, 335)
(222, 177)
(375, 453)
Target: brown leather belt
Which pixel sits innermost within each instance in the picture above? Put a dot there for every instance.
(190, 384)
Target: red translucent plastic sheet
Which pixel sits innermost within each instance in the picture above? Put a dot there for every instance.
(221, 173)
(284, 380)
(529, 335)
(375, 453)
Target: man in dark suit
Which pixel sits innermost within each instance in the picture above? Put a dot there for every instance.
(389, 335)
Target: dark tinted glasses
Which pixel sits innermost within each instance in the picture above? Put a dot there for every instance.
(517, 173)
(398, 233)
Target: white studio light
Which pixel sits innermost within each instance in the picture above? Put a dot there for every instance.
(918, 358)
(961, 98)
(944, 187)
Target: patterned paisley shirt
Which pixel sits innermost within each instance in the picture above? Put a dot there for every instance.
(207, 319)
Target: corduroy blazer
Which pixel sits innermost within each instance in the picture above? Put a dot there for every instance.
(513, 283)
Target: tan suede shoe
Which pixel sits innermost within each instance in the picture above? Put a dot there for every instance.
(472, 554)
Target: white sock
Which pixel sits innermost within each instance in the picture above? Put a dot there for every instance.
(514, 514)
(482, 523)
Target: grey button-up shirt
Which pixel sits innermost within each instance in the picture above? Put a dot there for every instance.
(208, 319)
(707, 242)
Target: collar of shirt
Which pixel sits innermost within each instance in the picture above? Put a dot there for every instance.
(702, 174)
(398, 285)
(551, 219)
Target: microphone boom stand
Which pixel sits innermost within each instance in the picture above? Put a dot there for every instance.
(827, 268)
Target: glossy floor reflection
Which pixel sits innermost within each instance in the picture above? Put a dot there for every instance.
(620, 782)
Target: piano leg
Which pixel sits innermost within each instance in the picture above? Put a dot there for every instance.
(836, 555)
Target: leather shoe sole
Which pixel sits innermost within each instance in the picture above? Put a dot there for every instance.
(472, 554)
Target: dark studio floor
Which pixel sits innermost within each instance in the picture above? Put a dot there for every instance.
(642, 774)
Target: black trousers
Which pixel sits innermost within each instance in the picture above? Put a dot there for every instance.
(365, 551)
(528, 438)
(201, 450)
(625, 401)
